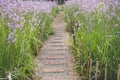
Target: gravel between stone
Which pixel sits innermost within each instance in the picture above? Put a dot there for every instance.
(54, 61)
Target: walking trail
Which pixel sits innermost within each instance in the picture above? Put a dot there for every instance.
(54, 60)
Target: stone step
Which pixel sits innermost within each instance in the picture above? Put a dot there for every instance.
(56, 49)
(58, 38)
(53, 70)
(57, 45)
(56, 41)
(54, 62)
(55, 57)
(58, 35)
(54, 78)
(57, 53)
(62, 43)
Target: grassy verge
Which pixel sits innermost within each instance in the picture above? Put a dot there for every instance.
(97, 38)
(19, 45)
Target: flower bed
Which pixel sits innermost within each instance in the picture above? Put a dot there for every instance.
(96, 26)
(24, 25)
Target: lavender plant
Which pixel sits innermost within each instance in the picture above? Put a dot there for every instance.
(96, 24)
(24, 25)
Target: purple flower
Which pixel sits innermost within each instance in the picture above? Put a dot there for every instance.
(116, 2)
(2, 2)
(14, 25)
(10, 36)
(113, 14)
(14, 40)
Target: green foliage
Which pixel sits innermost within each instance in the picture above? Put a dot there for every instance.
(95, 36)
(18, 57)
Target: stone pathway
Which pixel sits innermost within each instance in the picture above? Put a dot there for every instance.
(54, 61)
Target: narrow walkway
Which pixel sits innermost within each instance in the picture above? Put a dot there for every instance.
(54, 62)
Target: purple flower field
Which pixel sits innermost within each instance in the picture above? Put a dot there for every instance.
(96, 26)
(24, 25)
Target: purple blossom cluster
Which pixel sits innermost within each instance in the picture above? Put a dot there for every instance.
(97, 25)
(87, 6)
(109, 8)
(15, 10)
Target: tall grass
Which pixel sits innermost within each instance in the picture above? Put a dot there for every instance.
(20, 44)
(96, 35)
